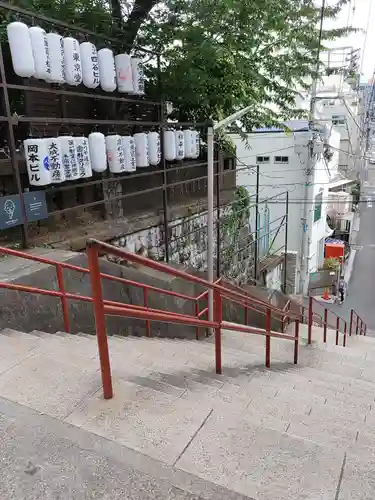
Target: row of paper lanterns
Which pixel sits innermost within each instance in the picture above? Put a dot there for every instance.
(53, 160)
(54, 59)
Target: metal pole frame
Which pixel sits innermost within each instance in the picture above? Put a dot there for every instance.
(256, 229)
(286, 239)
(164, 166)
(12, 150)
(210, 215)
(218, 184)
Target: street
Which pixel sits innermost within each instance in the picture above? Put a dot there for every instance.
(361, 290)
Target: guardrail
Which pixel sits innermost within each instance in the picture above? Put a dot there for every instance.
(356, 324)
(101, 309)
(324, 322)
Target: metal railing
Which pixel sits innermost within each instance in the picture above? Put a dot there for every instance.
(102, 308)
(328, 320)
(235, 295)
(356, 324)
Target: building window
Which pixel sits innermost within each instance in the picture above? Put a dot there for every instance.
(281, 159)
(263, 159)
(318, 202)
(338, 120)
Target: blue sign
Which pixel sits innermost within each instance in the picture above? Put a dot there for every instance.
(10, 211)
(35, 205)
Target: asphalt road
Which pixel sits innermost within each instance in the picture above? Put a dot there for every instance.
(361, 289)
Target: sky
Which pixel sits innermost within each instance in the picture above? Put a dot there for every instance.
(361, 14)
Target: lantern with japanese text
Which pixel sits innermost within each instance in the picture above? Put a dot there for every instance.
(124, 75)
(55, 161)
(128, 145)
(154, 148)
(195, 144)
(169, 145)
(115, 154)
(72, 61)
(21, 49)
(36, 153)
(107, 71)
(69, 157)
(138, 76)
(141, 150)
(41, 55)
(83, 157)
(188, 143)
(98, 153)
(90, 65)
(56, 54)
(180, 144)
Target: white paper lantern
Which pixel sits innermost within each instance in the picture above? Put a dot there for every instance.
(138, 76)
(83, 157)
(128, 145)
(141, 150)
(115, 154)
(107, 71)
(180, 144)
(55, 161)
(56, 53)
(98, 152)
(90, 65)
(42, 59)
(154, 148)
(36, 154)
(169, 145)
(188, 143)
(21, 49)
(69, 157)
(124, 74)
(195, 144)
(72, 61)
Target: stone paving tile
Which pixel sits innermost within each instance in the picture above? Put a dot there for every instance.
(262, 462)
(142, 419)
(358, 481)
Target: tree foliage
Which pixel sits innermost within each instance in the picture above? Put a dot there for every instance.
(217, 55)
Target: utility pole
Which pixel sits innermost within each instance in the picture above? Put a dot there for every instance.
(308, 201)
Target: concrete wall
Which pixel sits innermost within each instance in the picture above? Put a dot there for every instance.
(28, 312)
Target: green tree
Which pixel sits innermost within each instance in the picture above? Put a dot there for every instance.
(217, 55)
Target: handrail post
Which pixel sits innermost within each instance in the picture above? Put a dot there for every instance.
(356, 324)
(64, 300)
(351, 322)
(361, 327)
(337, 329)
(344, 341)
(268, 338)
(98, 306)
(309, 331)
(145, 303)
(296, 342)
(325, 325)
(196, 305)
(365, 330)
(303, 314)
(218, 320)
(246, 313)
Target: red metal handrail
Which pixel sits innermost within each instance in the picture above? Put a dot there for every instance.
(360, 325)
(324, 323)
(101, 309)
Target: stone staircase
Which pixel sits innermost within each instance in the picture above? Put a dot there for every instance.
(176, 430)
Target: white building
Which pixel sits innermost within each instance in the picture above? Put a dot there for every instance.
(282, 157)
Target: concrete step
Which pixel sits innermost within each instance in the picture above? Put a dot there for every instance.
(237, 430)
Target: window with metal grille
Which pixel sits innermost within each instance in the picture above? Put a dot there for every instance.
(281, 159)
(263, 159)
(318, 202)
